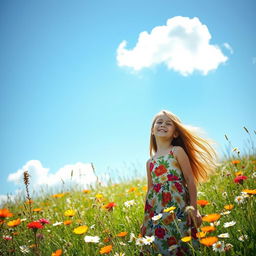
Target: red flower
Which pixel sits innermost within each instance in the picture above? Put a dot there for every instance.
(157, 187)
(166, 198)
(35, 225)
(172, 177)
(160, 170)
(240, 179)
(110, 206)
(160, 232)
(147, 207)
(171, 240)
(151, 166)
(178, 186)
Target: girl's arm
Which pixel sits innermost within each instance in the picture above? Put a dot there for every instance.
(184, 163)
(150, 183)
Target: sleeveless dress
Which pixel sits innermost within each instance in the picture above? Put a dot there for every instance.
(169, 189)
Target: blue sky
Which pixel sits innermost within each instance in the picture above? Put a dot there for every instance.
(66, 99)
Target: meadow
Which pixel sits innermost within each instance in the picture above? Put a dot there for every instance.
(106, 219)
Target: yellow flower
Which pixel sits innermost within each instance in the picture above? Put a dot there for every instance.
(200, 234)
(229, 206)
(58, 195)
(145, 188)
(14, 223)
(69, 213)
(80, 230)
(170, 209)
(238, 173)
(186, 239)
(99, 196)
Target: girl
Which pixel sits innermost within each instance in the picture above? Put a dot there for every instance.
(181, 159)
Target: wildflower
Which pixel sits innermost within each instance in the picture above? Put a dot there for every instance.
(24, 249)
(35, 225)
(238, 173)
(80, 230)
(209, 241)
(225, 194)
(7, 238)
(235, 162)
(58, 195)
(170, 209)
(224, 235)
(109, 206)
(239, 199)
(69, 213)
(132, 189)
(119, 254)
(122, 234)
(67, 222)
(218, 247)
(149, 239)
(186, 239)
(242, 238)
(254, 175)
(140, 241)
(229, 224)
(57, 223)
(240, 179)
(44, 221)
(4, 213)
(86, 191)
(132, 237)
(228, 247)
(157, 217)
(229, 206)
(106, 249)
(202, 203)
(129, 203)
(91, 239)
(57, 253)
(249, 191)
(200, 234)
(208, 228)
(226, 213)
(37, 210)
(14, 223)
(211, 217)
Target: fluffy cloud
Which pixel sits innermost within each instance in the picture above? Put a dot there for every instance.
(183, 45)
(79, 173)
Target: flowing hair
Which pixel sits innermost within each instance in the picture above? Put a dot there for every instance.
(201, 154)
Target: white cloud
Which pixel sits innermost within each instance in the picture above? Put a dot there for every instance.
(228, 47)
(82, 173)
(182, 44)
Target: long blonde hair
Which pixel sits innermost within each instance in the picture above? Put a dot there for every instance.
(201, 154)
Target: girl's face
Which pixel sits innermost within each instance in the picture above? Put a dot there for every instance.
(164, 127)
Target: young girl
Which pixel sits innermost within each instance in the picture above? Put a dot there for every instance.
(181, 159)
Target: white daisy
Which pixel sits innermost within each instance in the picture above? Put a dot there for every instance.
(140, 241)
(91, 239)
(224, 194)
(228, 247)
(132, 237)
(239, 199)
(57, 223)
(122, 243)
(149, 239)
(157, 217)
(218, 247)
(229, 224)
(225, 213)
(24, 249)
(242, 238)
(254, 175)
(224, 235)
(129, 203)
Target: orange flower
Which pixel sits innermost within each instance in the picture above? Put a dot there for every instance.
(160, 170)
(208, 241)
(4, 213)
(200, 234)
(229, 206)
(249, 191)
(57, 253)
(235, 162)
(145, 188)
(208, 228)
(211, 217)
(109, 206)
(14, 223)
(29, 202)
(202, 203)
(106, 240)
(67, 222)
(58, 195)
(86, 191)
(106, 249)
(122, 234)
(132, 189)
(37, 210)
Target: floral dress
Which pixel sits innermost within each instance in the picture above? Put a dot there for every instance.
(169, 189)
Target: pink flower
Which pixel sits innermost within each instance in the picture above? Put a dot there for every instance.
(44, 221)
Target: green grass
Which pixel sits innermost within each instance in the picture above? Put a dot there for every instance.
(107, 224)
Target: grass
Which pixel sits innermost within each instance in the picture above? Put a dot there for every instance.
(114, 213)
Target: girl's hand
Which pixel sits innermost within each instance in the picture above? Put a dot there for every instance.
(194, 217)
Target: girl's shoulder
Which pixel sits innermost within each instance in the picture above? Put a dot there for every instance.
(177, 150)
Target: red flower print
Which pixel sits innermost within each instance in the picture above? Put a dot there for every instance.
(151, 166)
(147, 207)
(151, 214)
(166, 198)
(172, 177)
(160, 232)
(157, 187)
(160, 170)
(171, 240)
(178, 186)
